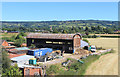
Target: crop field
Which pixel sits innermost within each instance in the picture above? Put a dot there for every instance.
(106, 64)
(106, 34)
(7, 34)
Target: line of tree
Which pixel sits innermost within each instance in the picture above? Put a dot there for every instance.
(72, 29)
(9, 70)
(92, 26)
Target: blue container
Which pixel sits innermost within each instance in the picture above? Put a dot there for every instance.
(39, 52)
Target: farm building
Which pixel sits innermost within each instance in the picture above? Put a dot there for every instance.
(32, 71)
(27, 70)
(6, 44)
(21, 60)
(65, 42)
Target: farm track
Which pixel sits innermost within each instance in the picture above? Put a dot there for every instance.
(107, 64)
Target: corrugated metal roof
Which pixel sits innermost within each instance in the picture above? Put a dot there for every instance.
(83, 43)
(51, 36)
(22, 48)
(30, 66)
(22, 58)
(11, 50)
(15, 55)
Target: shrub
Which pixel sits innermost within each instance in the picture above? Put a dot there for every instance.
(94, 36)
(85, 36)
(89, 36)
(68, 59)
(53, 69)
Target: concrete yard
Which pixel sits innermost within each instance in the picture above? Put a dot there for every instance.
(55, 61)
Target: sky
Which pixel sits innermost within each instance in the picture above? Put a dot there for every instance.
(49, 11)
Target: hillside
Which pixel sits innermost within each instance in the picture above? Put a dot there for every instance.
(61, 25)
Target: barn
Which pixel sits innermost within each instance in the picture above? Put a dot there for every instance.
(64, 42)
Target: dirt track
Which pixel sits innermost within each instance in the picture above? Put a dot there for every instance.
(107, 64)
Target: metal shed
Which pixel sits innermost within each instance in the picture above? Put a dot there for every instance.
(39, 52)
(83, 44)
(22, 59)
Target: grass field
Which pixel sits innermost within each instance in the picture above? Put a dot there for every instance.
(107, 64)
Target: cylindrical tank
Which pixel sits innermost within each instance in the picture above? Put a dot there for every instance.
(32, 61)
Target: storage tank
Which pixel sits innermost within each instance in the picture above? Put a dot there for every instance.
(32, 61)
(39, 52)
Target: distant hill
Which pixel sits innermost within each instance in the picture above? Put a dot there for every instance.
(70, 26)
(60, 23)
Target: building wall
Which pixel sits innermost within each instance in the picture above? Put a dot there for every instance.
(29, 71)
(77, 42)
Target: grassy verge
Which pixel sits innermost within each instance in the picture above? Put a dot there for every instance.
(112, 51)
(73, 68)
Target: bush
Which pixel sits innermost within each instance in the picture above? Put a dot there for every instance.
(13, 71)
(89, 36)
(85, 36)
(68, 59)
(53, 69)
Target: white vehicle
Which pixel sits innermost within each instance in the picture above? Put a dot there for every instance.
(93, 48)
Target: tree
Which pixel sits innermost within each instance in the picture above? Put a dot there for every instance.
(32, 46)
(86, 28)
(7, 69)
(94, 36)
(19, 42)
(22, 34)
(5, 61)
(87, 33)
(19, 37)
(13, 71)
